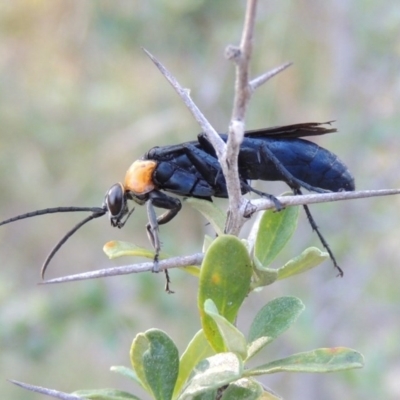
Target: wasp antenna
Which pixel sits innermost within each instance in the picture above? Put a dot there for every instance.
(99, 212)
(95, 210)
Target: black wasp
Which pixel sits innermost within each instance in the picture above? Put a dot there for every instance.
(191, 169)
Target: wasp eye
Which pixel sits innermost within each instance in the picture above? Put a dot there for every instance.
(115, 200)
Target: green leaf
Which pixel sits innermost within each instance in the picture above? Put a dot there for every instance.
(319, 360)
(140, 346)
(271, 321)
(269, 395)
(308, 259)
(234, 340)
(207, 242)
(155, 360)
(210, 395)
(275, 229)
(197, 350)
(191, 269)
(225, 278)
(161, 364)
(243, 389)
(262, 276)
(212, 373)
(214, 215)
(105, 394)
(116, 249)
(127, 372)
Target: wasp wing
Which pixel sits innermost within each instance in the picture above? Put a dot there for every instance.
(293, 131)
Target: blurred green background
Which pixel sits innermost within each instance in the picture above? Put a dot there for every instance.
(80, 101)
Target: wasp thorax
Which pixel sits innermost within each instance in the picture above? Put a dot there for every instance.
(139, 177)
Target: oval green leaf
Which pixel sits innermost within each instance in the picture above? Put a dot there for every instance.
(207, 242)
(319, 360)
(274, 231)
(271, 321)
(155, 360)
(225, 278)
(308, 259)
(197, 350)
(140, 345)
(263, 276)
(116, 248)
(243, 389)
(213, 214)
(269, 395)
(105, 394)
(234, 340)
(212, 373)
(127, 372)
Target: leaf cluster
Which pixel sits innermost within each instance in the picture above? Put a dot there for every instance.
(215, 362)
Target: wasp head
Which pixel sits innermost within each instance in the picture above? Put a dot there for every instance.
(115, 201)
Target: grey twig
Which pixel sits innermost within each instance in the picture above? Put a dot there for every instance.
(241, 56)
(260, 80)
(228, 154)
(242, 60)
(197, 259)
(184, 94)
(48, 392)
(244, 88)
(229, 168)
(287, 201)
(173, 262)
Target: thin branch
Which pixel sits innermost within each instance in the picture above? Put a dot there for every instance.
(242, 93)
(49, 392)
(237, 203)
(260, 80)
(244, 89)
(228, 154)
(184, 94)
(229, 162)
(230, 169)
(288, 201)
(173, 262)
(196, 259)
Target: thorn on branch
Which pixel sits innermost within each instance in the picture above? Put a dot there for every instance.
(233, 53)
(249, 210)
(260, 80)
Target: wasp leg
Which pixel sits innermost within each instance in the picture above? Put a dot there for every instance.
(271, 197)
(295, 184)
(206, 145)
(210, 169)
(319, 234)
(173, 205)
